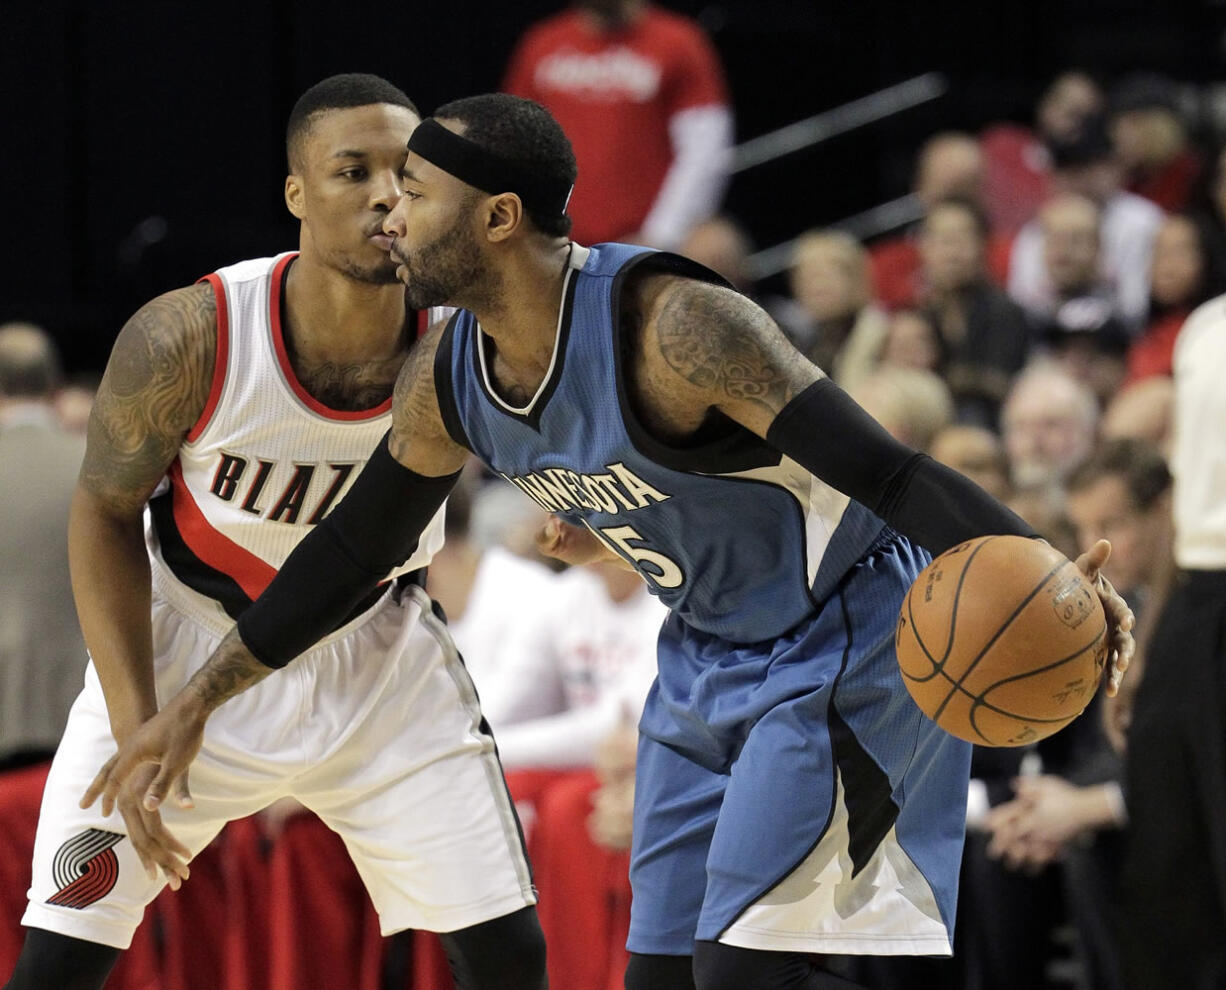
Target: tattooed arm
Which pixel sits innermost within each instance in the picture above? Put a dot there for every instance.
(372, 529)
(704, 347)
(155, 387)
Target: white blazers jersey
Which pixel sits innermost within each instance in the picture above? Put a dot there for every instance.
(265, 462)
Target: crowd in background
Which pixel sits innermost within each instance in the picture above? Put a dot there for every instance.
(1021, 331)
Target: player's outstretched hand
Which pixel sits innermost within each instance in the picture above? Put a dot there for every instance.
(149, 763)
(1120, 619)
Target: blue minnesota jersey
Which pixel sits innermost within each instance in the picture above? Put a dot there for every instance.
(739, 541)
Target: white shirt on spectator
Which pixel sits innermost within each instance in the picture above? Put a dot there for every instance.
(1129, 225)
(576, 668)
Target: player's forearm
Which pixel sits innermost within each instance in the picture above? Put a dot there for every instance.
(826, 432)
(231, 670)
(111, 585)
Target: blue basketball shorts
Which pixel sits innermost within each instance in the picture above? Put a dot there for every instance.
(790, 795)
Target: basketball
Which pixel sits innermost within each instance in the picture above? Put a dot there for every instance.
(1002, 641)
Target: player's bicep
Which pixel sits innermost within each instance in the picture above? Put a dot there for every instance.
(729, 352)
(155, 388)
(419, 439)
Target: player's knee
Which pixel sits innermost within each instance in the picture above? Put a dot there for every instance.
(49, 959)
(648, 972)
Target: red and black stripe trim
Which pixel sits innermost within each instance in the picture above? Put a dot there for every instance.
(221, 359)
(85, 868)
(209, 562)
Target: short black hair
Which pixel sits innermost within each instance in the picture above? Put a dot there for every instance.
(525, 133)
(1137, 462)
(340, 92)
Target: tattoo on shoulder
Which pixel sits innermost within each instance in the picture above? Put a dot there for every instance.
(726, 345)
(155, 388)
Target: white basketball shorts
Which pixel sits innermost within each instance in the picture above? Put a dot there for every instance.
(377, 730)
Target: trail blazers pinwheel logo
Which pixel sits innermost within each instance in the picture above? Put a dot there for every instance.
(85, 868)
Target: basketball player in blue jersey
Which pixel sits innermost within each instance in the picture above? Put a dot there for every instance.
(791, 799)
(255, 395)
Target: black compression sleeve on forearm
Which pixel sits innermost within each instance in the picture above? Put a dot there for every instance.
(373, 529)
(824, 430)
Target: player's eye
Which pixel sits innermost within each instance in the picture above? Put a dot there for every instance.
(353, 174)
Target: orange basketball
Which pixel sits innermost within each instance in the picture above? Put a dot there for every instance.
(1002, 641)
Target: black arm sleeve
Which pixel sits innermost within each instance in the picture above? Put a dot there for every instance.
(824, 430)
(374, 528)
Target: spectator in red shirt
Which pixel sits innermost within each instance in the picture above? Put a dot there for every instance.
(641, 94)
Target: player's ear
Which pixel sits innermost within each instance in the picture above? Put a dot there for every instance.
(294, 197)
(504, 216)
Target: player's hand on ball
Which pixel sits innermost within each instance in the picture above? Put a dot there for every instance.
(149, 764)
(1120, 619)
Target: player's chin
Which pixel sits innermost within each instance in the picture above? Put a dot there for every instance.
(384, 273)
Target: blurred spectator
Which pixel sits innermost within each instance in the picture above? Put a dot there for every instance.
(977, 453)
(584, 662)
(72, 406)
(831, 316)
(913, 405)
(1179, 282)
(983, 333)
(641, 95)
(486, 576)
(912, 340)
(1150, 137)
(1082, 332)
(1209, 212)
(1121, 493)
(1017, 165)
(1048, 425)
(1142, 410)
(42, 654)
(1085, 165)
(949, 166)
(1071, 242)
(723, 246)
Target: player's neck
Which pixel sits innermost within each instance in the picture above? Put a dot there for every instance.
(333, 317)
(522, 319)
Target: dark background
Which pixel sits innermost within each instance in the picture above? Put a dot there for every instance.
(143, 141)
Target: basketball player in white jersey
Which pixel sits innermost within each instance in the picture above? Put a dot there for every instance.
(232, 416)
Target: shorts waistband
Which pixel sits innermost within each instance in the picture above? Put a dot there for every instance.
(209, 614)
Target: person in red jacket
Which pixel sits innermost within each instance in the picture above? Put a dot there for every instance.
(641, 94)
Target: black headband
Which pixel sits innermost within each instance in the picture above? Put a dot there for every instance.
(487, 170)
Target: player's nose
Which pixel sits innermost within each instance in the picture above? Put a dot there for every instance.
(393, 223)
(385, 191)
